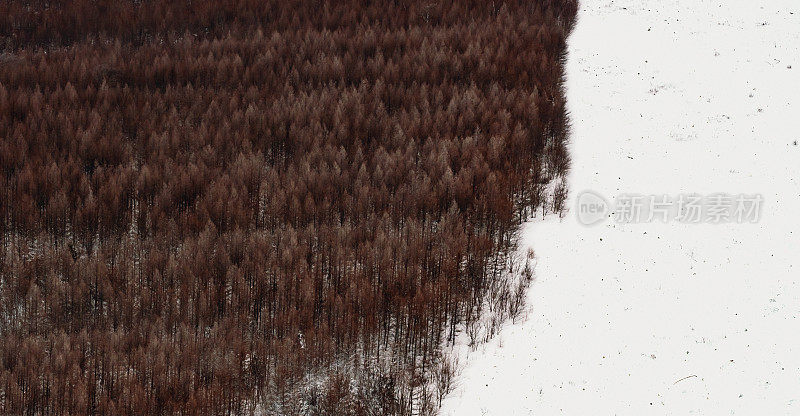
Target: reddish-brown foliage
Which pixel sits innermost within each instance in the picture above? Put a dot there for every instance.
(205, 202)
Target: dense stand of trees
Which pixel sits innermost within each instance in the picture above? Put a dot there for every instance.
(227, 207)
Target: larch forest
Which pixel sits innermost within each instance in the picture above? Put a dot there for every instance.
(267, 207)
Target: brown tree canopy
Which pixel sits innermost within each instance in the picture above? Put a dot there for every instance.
(209, 205)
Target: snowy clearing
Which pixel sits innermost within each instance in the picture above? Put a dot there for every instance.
(666, 97)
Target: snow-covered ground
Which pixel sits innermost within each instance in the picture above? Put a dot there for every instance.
(667, 97)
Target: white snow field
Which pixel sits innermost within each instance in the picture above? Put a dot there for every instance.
(666, 97)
